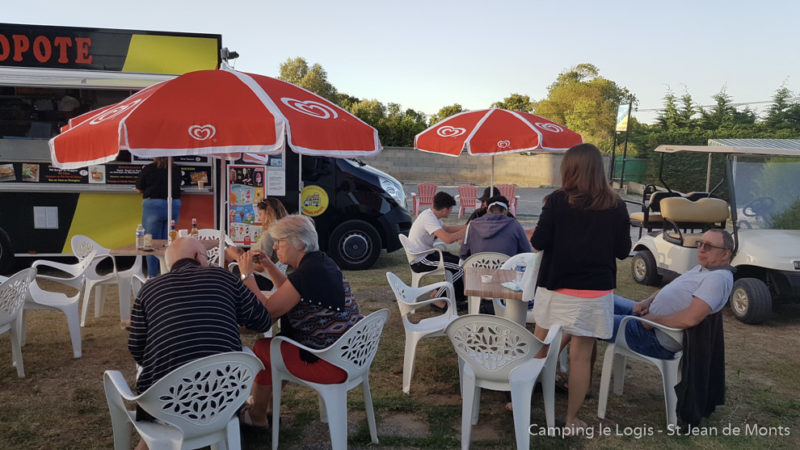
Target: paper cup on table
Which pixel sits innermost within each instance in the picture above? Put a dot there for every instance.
(486, 278)
(148, 241)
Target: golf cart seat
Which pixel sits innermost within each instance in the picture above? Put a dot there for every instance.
(650, 217)
(680, 213)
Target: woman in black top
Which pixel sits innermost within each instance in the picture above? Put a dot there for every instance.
(583, 227)
(152, 184)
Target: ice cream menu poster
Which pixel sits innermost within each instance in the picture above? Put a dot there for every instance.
(245, 189)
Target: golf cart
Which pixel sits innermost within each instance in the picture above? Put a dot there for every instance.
(763, 206)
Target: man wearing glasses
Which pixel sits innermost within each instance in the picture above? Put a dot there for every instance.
(684, 302)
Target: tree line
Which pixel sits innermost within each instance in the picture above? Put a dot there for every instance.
(583, 101)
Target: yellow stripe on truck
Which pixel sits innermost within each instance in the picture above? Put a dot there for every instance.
(149, 53)
(109, 219)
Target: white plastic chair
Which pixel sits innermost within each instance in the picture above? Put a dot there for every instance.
(496, 353)
(210, 234)
(353, 353)
(196, 403)
(528, 283)
(614, 364)
(12, 297)
(488, 260)
(429, 327)
(411, 256)
(81, 247)
(49, 300)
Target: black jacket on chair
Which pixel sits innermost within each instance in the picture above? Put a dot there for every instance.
(702, 385)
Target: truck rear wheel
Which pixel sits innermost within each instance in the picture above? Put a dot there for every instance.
(644, 269)
(750, 300)
(6, 254)
(355, 245)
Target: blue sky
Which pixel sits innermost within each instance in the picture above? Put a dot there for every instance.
(428, 54)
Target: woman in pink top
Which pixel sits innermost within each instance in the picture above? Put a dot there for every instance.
(584, 227)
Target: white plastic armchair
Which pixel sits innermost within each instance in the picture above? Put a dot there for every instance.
(209, 234)
(488, 260)
(12, 297)
(353, 353)
(195, 404)
(81, 247)
(429, 327)
(496, 353)
(614, 365)
(411, 256)
(38, 298)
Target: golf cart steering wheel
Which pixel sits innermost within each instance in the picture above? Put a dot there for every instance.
(760, 206)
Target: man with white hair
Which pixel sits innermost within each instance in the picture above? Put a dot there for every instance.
(190, 312)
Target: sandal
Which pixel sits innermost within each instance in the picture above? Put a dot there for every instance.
(246, 420)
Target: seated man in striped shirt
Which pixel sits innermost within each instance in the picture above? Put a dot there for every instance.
(191, 312)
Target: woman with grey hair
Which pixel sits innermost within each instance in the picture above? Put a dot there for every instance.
(314, 302)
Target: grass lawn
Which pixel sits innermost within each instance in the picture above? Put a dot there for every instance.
(61, 404)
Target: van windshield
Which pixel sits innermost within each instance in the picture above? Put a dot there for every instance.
(767, 192)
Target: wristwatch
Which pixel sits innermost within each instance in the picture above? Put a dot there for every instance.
(247, 275)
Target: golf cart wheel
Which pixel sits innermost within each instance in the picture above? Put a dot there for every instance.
(644, 269)
(355, 245)
(750, 300)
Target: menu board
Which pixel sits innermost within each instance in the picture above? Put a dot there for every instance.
(245, 190)
(125, 174)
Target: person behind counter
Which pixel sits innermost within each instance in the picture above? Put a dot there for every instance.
(152, 184)
(314, 303)
(270, 210)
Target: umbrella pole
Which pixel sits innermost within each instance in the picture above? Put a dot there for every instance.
(223, 216)
(300, 183)
(491, 189)
(169, 191)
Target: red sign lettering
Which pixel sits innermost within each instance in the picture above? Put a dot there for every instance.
(21, 45)
(62, 44)
(42, 49)
(5, 47)
(19, 49)
(83, 45)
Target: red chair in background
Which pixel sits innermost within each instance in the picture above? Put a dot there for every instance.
(423, 196)
(508, 191)
(467, 198)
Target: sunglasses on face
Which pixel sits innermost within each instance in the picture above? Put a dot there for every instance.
(705, 246)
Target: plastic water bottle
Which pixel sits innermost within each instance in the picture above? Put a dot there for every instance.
(140, 237)
(520, 269)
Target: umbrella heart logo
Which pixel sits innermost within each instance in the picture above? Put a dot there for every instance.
(202, 132)
(449, 131)
(311, 108)
(504, 144)
(551, 127)
(113, 112)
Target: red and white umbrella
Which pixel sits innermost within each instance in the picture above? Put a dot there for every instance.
(214, 112)
(491, 132)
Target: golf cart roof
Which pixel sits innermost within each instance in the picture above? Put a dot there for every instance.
(772, 147)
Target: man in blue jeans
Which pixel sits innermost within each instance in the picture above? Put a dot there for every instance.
(684, 302)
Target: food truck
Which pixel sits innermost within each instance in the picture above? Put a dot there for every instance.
(51, 74)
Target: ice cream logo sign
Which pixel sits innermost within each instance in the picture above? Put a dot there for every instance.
(202, 132)
(311, 108)
(448, 131)
(314, 200)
